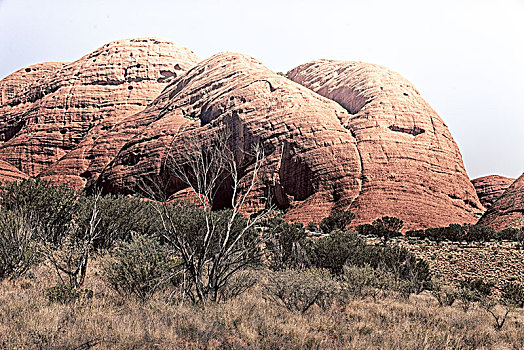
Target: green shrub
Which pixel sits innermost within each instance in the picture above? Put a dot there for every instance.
(141, 267)
(338, 220)
(299, 290)
(53, 206)
(284, 243)
(120, 217)
(331, 252)
(18, 243)
(65, 294)
(387, 227)
(513, 294)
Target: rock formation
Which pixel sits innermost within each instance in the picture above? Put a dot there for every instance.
(490, 188)
(410, 166)
(10, 173)
(115, 119)
(48, 109)
(311, 164)
(508, 209)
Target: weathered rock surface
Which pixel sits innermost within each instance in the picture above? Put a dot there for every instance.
(46, 110)
(10, 173)
(490, 188)
(411, 167)
(311, 164)
(508, 209)
(115, 118)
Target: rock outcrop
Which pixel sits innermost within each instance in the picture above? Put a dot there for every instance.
(336, 135)
(411, 167)
(311, 165)
(48, 109)
(10, 173)
(490, 188)
(508, 209)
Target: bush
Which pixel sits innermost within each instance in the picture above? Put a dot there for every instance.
(18, 244)
(366, 281)
(66, 293)
(387, 227)
(513, 294)
(120, 217)
(338, 220)
(53, 206)
(299, 290)
(141, 267)
(283, 243)
(331, 252)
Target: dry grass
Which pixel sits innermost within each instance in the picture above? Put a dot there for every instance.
(29, 321)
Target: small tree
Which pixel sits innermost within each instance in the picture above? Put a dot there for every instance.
(227, 242)
(338, 220)
(387, 227)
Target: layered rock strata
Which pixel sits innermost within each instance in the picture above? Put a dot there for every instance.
(508, 209)
(490, 188)
(411, 167)
(47, 110)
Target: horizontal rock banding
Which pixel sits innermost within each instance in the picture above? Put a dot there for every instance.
(411, 167)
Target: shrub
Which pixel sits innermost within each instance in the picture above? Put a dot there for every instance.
(53, 206)
(283, 243)
(366, 281)
(366, 230)
(18, 247)
(238, 284)
(387, 227)
(403, 264)
(66, 293)
(300, 290)
(338, 220)
(474, 290)
(331, 252)
(513, 294)
(141, 267)
(119, 218)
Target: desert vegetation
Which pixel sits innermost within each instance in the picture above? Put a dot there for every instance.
(94, 271)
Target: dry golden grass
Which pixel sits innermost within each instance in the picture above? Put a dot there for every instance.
(107, 321)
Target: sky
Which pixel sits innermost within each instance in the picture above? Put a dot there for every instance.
(466, 58)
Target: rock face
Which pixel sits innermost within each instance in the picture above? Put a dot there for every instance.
(490, 188)
(341, 136)
(410, 167)
(10, 173)
(508, 209)
(48, 109)
(311, 165)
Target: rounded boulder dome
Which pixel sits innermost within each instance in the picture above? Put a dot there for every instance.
(411, 167)
(58, 105)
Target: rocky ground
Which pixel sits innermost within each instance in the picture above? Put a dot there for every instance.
(499, 262)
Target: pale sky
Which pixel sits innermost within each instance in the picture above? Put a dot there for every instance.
(466, 58)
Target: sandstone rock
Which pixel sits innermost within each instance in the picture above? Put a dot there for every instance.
(49, 109)
(490, 188)
(508, 209)
(411, 167)
(311, 164)
(10, 173)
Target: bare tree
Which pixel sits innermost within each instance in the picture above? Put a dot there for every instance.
(229, 242)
